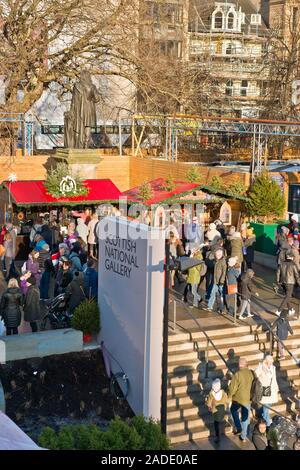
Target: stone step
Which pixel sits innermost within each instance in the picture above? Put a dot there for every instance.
(183, 366)
(212, 333)
(225, 349)
(184, 389)
(190, 423)
(193, 399)
(184, 411)
(188, 377)
(224, 340)
(176, 437)
(290, 372)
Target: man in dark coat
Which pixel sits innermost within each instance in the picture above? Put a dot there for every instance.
(247, 289)
(91, 280)
(32, 309)
(10, 307)
(75, 291)
(289, 276)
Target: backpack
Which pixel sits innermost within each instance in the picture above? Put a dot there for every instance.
(256, 392)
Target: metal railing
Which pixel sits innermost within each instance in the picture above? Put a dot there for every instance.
(209, 341)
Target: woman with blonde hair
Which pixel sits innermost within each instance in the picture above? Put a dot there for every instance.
(266, 373)
(10, 307)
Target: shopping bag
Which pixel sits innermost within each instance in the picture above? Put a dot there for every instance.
(232, 289)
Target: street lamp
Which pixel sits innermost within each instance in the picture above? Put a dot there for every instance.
(182, 263)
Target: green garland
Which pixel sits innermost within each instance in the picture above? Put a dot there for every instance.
(55, 177)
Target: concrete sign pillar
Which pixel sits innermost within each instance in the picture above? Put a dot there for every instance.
(131, 297)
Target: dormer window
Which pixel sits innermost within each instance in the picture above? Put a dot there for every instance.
(230, 21)
(256, 19)
(218, 19)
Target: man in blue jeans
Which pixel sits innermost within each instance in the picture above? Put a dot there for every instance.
(220, 269)
(239, 393)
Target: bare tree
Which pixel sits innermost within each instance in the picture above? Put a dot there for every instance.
(284, 68)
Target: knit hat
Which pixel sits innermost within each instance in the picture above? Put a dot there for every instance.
(212, 226)
(63, 245)
(232, 261)
(295, 218)
(216, 385)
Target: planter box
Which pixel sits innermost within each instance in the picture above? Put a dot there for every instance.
(265, 237)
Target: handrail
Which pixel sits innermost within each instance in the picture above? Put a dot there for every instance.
(274, 335)
(209, 340)
(175, 294)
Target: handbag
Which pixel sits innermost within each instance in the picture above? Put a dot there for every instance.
(2, 250)
(232, 289)
(267, 391)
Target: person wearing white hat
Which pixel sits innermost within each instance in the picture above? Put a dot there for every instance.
(217, 403)
(212, 233)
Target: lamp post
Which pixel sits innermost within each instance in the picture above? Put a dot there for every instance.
(182, 263)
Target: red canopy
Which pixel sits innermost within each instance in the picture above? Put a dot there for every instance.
(35, 193)
(159, 194)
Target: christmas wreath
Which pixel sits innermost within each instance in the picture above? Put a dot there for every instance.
(60, 182)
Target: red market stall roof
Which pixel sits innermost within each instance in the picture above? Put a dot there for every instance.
(25, 193)
(160, 195)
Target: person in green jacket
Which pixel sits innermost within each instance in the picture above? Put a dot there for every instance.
(194, 276)
(240, 395)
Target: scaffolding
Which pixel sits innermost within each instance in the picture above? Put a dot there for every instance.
(174, 127)
(24, 129)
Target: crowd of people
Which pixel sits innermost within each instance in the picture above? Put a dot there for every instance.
(224, 280)
(62, 260)
(241, 397)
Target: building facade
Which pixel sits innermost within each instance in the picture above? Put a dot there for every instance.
(229, 39)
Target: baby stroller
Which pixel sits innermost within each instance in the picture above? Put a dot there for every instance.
(57, 315)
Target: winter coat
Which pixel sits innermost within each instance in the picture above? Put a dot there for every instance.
(91, 230)
(3, 285)
(284, 247)
(32, 310)
(76, 263)
(64, 278)
(8, 245)
(240, 387)
(194, 233)
(82, 230)
(249, 244)
(91, 283)
(43, 257)
(268, 378)
(283, 328)
(236, 249)
(233, 275)
(194, 274)
(176, 249)
(213, 403)
(34, 268)
(289, 273)
(220, 271)
(296, 254)
(47, 235)
(10, 307)
(260, 441)
(246, 286)
(75, 292)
